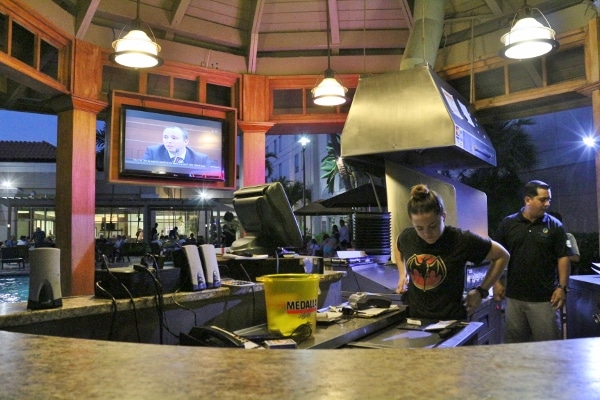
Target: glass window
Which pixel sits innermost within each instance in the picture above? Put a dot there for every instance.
(218, 95)
(159, 85)
(114, 78)
(287, 101)
(23, 44)
(49, 60)
(185, 89)
(3, 33)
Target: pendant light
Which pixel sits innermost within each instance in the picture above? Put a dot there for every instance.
(329, 92)
(528, 38)
(136, 49)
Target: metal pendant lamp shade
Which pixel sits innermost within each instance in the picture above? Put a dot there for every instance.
(528, 38)
(136, 49)
(329, 92)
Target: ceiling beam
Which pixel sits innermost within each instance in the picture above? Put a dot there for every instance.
(177, 13)
(334, 26)
(85, 13)
(254, 35)
(494, 7)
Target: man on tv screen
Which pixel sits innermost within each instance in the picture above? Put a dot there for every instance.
(174, 148)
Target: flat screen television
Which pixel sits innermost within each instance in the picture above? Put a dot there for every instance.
(267, 218)
(164, 144)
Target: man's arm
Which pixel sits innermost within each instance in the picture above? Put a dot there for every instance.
(559, 296)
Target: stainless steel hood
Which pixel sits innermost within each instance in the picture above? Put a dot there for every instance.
(414, 118)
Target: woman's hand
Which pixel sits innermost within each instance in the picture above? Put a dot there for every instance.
(402, 285)
(472, 301)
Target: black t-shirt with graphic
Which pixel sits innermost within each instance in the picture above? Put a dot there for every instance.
(437, 271)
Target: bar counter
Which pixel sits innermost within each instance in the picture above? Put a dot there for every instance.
(35, 366)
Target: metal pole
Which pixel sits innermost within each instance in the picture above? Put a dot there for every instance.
(304, 182)
(304, 141)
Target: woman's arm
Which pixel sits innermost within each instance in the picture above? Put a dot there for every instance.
(498, 256)
(402, 282)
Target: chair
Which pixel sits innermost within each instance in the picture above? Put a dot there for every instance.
(10, 256)
(108, 249)
(23, 252)
(132, 250)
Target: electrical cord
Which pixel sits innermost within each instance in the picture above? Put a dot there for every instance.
(157, 274)
(277, 260)
(158, 299)
(356, 280)
(131, 300)
(114, 309)
(185, 307)
(253, 293)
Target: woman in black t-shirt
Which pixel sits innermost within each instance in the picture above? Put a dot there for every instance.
(432, 257)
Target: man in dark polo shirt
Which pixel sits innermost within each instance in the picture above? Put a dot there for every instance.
(538, 270)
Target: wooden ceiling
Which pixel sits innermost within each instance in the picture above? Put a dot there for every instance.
(286, 35)
(258, 29)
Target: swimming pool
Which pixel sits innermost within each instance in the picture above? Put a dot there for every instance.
(14, 289)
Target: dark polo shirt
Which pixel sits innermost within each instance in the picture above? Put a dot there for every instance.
(534, 248)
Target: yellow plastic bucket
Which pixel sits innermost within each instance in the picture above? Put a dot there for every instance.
(291, 301)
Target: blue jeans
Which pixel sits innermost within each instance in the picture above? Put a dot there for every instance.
(531, 321)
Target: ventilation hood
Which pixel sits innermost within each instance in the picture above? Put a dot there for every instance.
(414, 118)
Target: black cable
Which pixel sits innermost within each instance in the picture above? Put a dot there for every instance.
(253, 293)
(158, 298)
(114, 308)
(131, 300)
(181, 305)
(185, 307)
(277, 261)
(355, 279)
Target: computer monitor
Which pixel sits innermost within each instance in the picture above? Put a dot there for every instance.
(267, 218)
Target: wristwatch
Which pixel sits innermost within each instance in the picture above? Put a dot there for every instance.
(563, 287)
(482, 292)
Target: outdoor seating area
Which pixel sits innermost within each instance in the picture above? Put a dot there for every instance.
(14, 255)
(121, 254)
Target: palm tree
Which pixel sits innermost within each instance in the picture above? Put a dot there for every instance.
(351, 172)
(515, 152)
(333, 164)
(100, 147)
(295, 191)
(269, 164)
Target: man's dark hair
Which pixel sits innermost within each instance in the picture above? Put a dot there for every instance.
(531, 188)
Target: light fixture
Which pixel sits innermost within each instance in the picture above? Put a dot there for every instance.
(136, 49)
(329, 92)
(527, 37)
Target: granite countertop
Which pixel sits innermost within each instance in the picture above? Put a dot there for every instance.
(51, 367)
(17, 314)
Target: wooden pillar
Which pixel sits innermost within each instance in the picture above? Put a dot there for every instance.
(592, 58)
(253, 151)
(76, 171)
(255, 110)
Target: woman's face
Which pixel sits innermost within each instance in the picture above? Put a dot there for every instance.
(429, 226)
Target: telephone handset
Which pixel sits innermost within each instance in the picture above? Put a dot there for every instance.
(214, 336)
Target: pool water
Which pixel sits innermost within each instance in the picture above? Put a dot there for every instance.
(14, 289)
